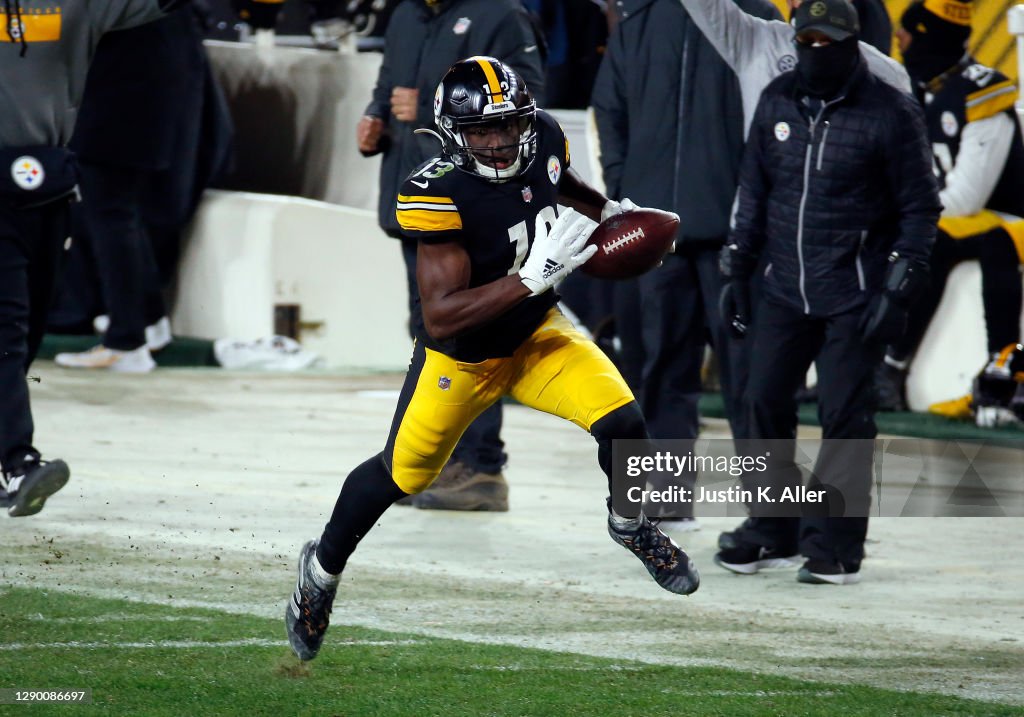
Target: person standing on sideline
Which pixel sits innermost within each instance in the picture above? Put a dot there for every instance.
(491, 249)
(423, 39)
(979, 155)
(838, 197)
(138, 86)
(760, 50)
(657, 132)
(45, 51)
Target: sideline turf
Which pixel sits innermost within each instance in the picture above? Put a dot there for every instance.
(144, 659)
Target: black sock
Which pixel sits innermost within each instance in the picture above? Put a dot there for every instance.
(367, 493)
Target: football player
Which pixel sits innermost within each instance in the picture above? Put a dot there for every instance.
(979, 159)
(492, 247)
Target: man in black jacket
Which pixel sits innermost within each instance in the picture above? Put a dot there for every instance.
(424, 38)
(658, 132)
(838, 196)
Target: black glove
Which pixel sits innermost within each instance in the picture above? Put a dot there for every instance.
(734, 305)
(260, 15)
(737, 266)
(885, 319)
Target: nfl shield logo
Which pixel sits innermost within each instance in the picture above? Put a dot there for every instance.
(462, 25)
(444, 383)
(527, 194)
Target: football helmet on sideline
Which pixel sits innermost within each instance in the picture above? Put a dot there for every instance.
(483, 93)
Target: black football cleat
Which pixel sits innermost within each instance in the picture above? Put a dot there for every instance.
(667, 563)
(309, 610)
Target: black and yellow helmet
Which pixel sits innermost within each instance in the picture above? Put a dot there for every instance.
(482, 91)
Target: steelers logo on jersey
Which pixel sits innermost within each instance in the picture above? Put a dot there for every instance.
(949, 124)
(554, 169)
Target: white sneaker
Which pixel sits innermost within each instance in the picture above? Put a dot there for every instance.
(100, 357)
(158, 334)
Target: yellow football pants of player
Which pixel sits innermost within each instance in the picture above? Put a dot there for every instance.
(985, 221)
(556, 370)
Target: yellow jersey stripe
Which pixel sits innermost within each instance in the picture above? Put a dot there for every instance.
(425, 220)
(426, 200)
(37, 26)
(970, 224)
(991, 101)
(492, 80)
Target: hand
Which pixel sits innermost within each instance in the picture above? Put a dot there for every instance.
(260, 15)
(368, 133)
(403, 103)
(884, 320)
(556, 253)
(611, 208)
(734, 306)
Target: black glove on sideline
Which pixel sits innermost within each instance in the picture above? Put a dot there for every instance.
(885, 319)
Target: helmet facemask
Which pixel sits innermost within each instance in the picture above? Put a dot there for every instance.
(497, 148)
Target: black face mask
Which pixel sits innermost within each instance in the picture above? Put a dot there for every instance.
(924, 63)
(822, 71)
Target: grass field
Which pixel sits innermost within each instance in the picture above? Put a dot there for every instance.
(143, 659)
(157, 579)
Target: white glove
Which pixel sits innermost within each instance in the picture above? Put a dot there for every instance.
(611, 208)
(557, 252)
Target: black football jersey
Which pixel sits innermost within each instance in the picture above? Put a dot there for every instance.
(494, 221)
(974, 92)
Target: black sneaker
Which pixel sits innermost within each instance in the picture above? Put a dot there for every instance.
(731, 539)
(26, 489)
(670, 567)
(309, 611)
(823, 572)
(747, 559)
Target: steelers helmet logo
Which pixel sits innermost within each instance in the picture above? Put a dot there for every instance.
(818, 9)
(27, 173)
(782, 131)
(554, 169)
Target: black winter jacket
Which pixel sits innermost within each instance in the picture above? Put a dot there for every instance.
(419, 48)
(670, 116)
(827, 196)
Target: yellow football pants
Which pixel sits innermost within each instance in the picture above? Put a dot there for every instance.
(556, 370)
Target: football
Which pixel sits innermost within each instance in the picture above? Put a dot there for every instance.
(631, 243)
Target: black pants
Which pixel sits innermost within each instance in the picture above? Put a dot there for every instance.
(31, 243)
(481, 447)
(784, 344)
(111, 216)
(1001, 290)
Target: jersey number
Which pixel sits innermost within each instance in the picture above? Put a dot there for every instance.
(520, 236)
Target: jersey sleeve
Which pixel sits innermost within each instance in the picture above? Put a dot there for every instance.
(553, 137)
(988, 101)
(431, 217)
